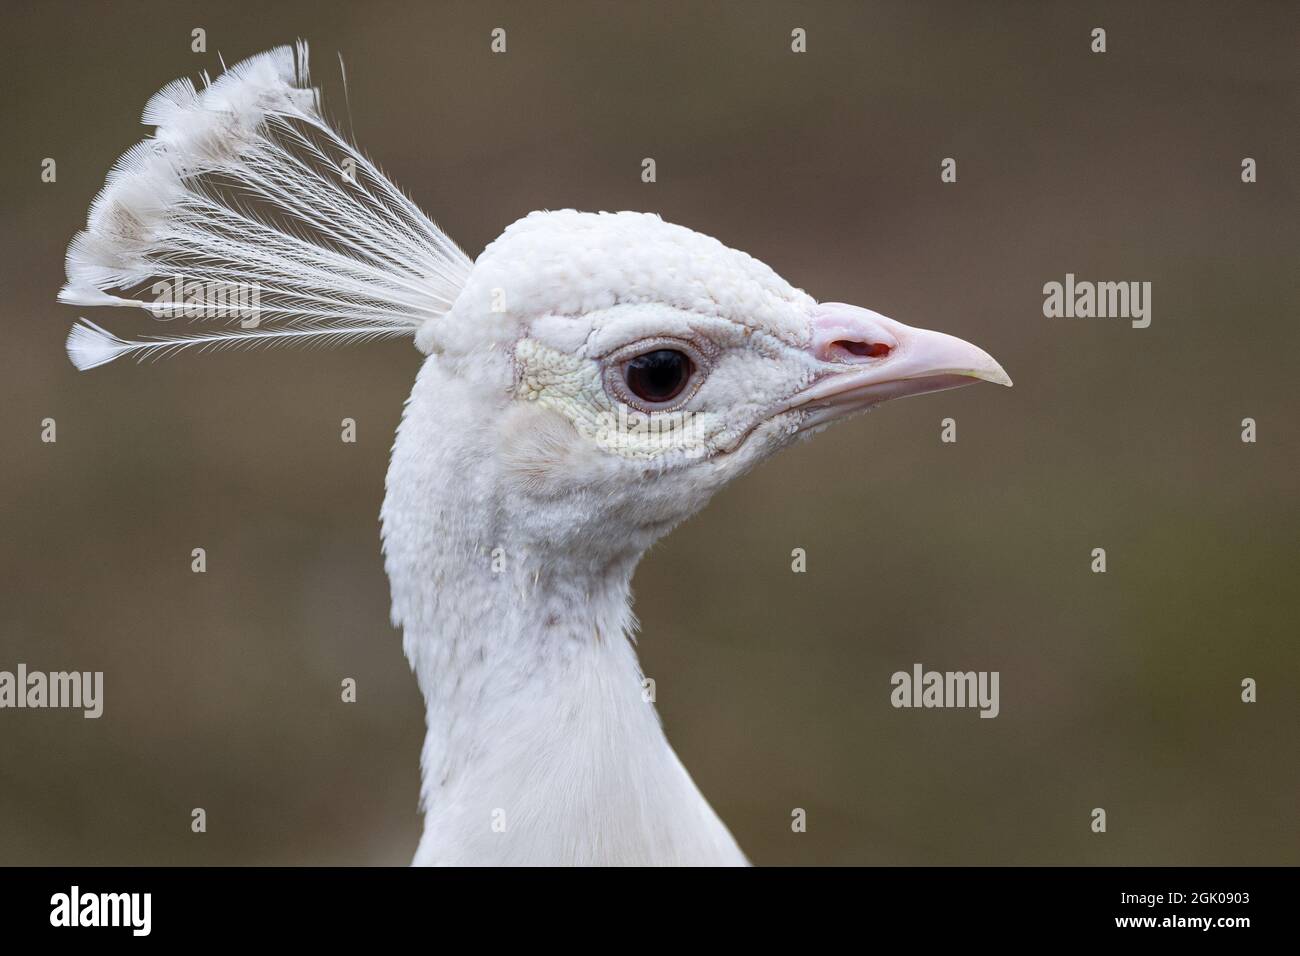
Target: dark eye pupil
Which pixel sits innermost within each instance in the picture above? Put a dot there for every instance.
(658, 376)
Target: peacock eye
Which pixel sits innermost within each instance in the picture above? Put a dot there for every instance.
(659, 376)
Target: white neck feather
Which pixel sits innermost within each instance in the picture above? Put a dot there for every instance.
(541, 748)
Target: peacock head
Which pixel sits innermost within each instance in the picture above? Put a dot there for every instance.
(579, 356)
(622, 348)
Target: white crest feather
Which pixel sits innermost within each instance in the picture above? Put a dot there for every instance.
(245, 186)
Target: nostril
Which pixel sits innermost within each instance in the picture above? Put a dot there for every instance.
(861, 349)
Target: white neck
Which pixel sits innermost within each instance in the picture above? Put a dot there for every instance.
(541, 747)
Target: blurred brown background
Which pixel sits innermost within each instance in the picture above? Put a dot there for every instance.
(1118, 690)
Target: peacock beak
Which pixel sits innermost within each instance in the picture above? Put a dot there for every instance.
(868, 358)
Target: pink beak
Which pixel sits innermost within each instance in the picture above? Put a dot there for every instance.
(870, 359)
